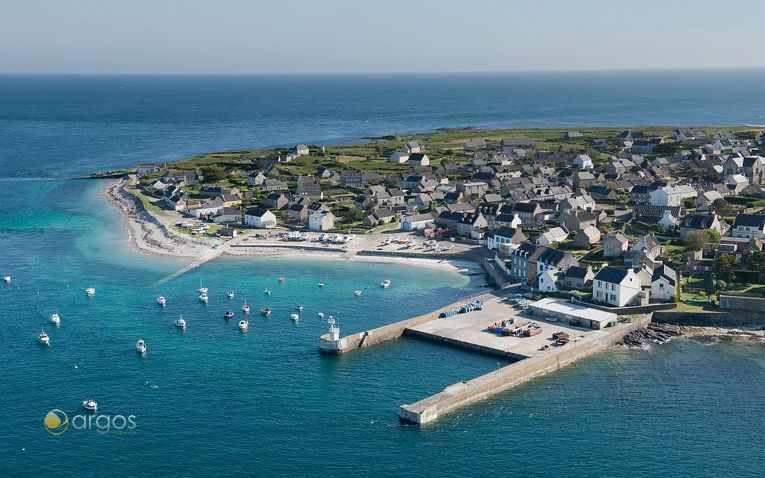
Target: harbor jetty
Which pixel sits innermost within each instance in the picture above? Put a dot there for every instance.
(537, 337)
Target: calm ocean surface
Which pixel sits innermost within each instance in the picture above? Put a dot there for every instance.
(217, 402)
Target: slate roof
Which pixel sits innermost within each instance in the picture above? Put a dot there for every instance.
(665, 272)
(749, 220)
(614, 275)
(698, 221)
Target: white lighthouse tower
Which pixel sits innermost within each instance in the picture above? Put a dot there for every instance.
(331, 342)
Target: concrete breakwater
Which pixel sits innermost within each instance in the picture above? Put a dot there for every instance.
(484, 386)
(395, 330)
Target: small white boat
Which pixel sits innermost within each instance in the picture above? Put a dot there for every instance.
(180, 323)
(299, 308)
(321, 284)
(357, 292)
(267, 291)
(243, 324)
(265, 312)
(140, 346)
(161, 300)
(43, 338)
(90, 405)
(203, 298)
(321, 315)
(230, 294)
(90, 291)
(246, 308)
(202, 289)
(228, 315)
(385, 284)
(7, 279)
(55, 319)
(294, 317)
(281, 280)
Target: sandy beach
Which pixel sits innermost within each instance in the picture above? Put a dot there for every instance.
(156, 234)
(147, 232)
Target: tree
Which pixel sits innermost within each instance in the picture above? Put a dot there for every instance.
(723, 267)
(724, 208)
(213, 174)
(756, 262)
(697, 240)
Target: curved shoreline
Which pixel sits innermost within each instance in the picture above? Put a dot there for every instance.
(148, 234)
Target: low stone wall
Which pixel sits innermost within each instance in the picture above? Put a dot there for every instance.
(484, 386)
(711, 319)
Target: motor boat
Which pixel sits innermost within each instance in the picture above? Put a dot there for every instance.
(243, 324)
(161, 300)
(321, 315)
(357, 292)
(281, 280)
(385, 284)
(267, 291)
(43, 338)
(202, 289)
(230, 294)
(140, 346)
(203, 298)
(180, 323)
(265, 312)
(246, 308)
(90, 405)
(228, 315)
(294, 317)
(321, 284)
(90, 291)
(55, 319)
(7, 279)
(299, 308)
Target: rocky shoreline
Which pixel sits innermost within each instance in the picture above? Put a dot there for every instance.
(660, 333)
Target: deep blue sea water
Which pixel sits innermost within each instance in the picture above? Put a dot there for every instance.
(216, 402)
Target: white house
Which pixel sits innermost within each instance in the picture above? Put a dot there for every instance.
(418, 159)
(663, 282)
(321, 221)
(736, 182)
(413, 147)
(548, 280)
(668, 221)
(583, 161)
(555, 234)
(671, 195)
(259, 218)
(749, 225)
(399, 157)
(616, 286)
(300, 150)
(416, 222)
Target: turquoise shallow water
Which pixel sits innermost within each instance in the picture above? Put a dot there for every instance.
(216, 402)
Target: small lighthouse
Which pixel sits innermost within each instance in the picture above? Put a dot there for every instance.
(331, 343)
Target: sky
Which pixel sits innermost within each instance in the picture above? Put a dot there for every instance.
(386, 36)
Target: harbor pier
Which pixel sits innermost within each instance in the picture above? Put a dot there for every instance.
(535, 350)
(484, 386)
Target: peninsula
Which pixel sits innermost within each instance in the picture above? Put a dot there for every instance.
(588, 234)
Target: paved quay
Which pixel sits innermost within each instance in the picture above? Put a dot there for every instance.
(533, 356)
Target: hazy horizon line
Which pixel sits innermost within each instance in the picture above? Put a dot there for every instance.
(383, 73)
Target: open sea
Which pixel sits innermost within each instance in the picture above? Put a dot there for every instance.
(213, 401)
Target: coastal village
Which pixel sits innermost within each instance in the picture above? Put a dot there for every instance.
(614, 218)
